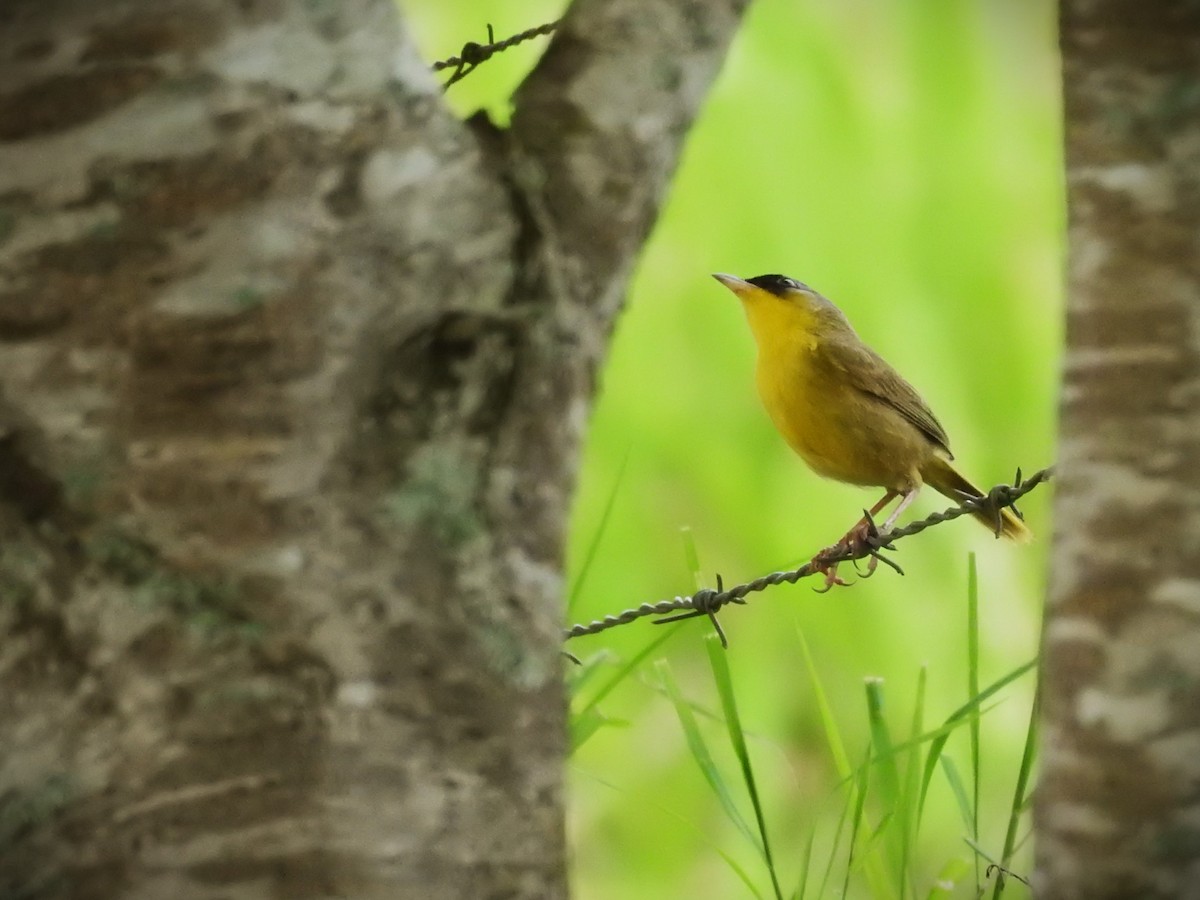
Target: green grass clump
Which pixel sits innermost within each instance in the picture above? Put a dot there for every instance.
(872, 846)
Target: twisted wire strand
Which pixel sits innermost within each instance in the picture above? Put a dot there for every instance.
(472, 54)
(708, 601)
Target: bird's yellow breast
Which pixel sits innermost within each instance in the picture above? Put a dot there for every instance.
(836, 429)
(800, 413)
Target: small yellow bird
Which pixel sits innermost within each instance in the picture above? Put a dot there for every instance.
(840, 406)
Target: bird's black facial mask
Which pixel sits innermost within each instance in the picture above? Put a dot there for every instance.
(778, 285)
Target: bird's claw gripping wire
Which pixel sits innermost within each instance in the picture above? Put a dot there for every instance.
(863, 541)
(869, 538)
(706, 602)
(827, 561)
(874, 541)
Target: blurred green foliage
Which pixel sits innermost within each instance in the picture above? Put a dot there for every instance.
(904, 159)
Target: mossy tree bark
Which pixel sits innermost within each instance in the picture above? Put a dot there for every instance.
(294, 369)
(1117, 812)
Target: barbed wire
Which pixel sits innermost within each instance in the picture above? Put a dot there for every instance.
(472, 55)
(707, 601)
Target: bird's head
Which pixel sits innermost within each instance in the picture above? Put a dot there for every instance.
(776, 303)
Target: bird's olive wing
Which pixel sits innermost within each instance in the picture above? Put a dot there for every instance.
(865, 370)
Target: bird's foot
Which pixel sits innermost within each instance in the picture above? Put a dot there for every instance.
(826, 562)
(863, 540)
(822, 565)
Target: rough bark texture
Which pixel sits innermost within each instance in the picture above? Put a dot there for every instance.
(1118, 807)
(294, 369)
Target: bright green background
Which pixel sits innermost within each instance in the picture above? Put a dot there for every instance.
(904, 159)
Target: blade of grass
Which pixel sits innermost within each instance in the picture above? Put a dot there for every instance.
(877, 832)
(702, 756)
(584, 726)
(876, 876)
(887, 773)
(1001, 872)
(579, 676)
(703, 713)
(968, 708)
(860, 787)
(1022, 840)
(959, 790)
(927, 737)
(623, 672)
(912, 781)
(1014, 816)
(805, 865)
(733, 864)
(691, 555)
(833, 737)
(881, 742)
(982, 853)
(973, 691)
(1027, 803)
(627, 668)
(589, 555)
(719, 662)
(851, 797)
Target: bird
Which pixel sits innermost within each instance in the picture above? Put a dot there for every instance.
(847, 413)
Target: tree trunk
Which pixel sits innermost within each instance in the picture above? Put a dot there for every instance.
(294, 370)
(1117, 806)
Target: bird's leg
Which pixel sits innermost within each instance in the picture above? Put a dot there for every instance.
(864, 526)
(909, 497)
(854, 536)
(858, 536)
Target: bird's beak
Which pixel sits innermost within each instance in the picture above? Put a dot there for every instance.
(735, 284)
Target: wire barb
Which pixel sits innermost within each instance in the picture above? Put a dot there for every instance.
(890, 563)
(472, 55)
(874, 540)
(707, 602)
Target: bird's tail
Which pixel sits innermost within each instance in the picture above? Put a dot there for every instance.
(940, 475)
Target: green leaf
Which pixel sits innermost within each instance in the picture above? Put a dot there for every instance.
(805, 865)
(959, 790)
(703, 758)
(973, 691)
(701, 833)
(833, 736)
(719, 662)
(959, 716)
(883, 755)
(1023, 776)
(909, 799)
(623, 672)
(860, 790)
(589, 555)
